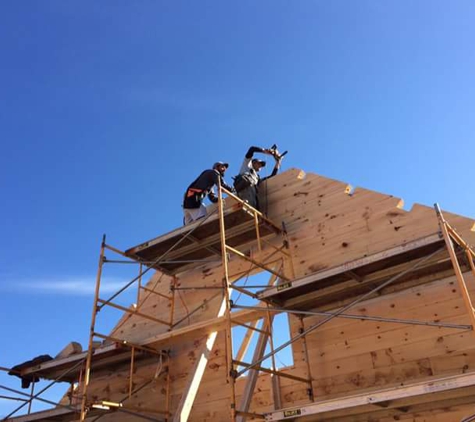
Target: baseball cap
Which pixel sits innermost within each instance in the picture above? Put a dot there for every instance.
(261, 162)
(220, 163)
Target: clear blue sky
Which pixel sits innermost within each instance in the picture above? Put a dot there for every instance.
(109, 109)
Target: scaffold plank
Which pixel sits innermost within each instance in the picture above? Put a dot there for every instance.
(420, 392)
(361, 267)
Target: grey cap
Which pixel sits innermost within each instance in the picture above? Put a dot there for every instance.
(220, 163)
(261, 162)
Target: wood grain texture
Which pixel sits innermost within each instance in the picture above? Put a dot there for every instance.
(328, 224)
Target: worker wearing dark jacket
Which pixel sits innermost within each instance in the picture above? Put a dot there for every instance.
(247, 182)
(193, 207)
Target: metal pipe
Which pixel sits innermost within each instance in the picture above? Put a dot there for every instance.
(199, 288)
(95, 310)
(32, 393)
(12, 398)
(227, 293)
(361, 317)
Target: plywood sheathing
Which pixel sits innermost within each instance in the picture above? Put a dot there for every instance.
(328, 224)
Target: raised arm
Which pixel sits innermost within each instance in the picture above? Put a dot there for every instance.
(275, 169)
(251, 151)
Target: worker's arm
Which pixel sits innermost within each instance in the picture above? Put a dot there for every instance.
(276, 167)
(227, 187)
(215, 180)
(278, 162)
(212, 196)
(251, 151)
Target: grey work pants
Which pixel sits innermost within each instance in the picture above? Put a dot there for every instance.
(193, 214)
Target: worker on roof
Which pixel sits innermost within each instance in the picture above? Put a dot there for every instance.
(247, 181)
(203, 186)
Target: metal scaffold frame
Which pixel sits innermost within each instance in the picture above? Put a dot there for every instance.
(98, 305)
(227, 288)
(266, 332)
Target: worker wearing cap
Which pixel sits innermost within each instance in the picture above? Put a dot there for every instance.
(249, 177)
(193, 207)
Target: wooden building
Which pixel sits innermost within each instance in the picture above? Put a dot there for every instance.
(378, 301)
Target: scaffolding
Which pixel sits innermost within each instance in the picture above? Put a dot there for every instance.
(229, 232)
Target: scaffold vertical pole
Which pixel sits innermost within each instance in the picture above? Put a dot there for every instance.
(172, 319)
(139, 285)
(258, 234)
(230, 376)
(32, 393)
(453, 257)
(87, 372)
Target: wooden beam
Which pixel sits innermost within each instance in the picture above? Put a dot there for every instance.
(73, 348)
(253, 373)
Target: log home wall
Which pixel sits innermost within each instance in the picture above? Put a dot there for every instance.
(328, 224)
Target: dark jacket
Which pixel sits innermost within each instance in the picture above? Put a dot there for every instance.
(202, 186)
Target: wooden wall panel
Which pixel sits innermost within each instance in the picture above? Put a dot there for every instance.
(328, 224)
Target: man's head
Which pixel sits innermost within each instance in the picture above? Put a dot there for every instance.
(258, 164)
(220, 166)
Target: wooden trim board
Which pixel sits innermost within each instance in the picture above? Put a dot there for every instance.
(386, 398)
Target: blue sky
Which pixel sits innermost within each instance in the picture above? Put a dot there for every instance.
(109, 109)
